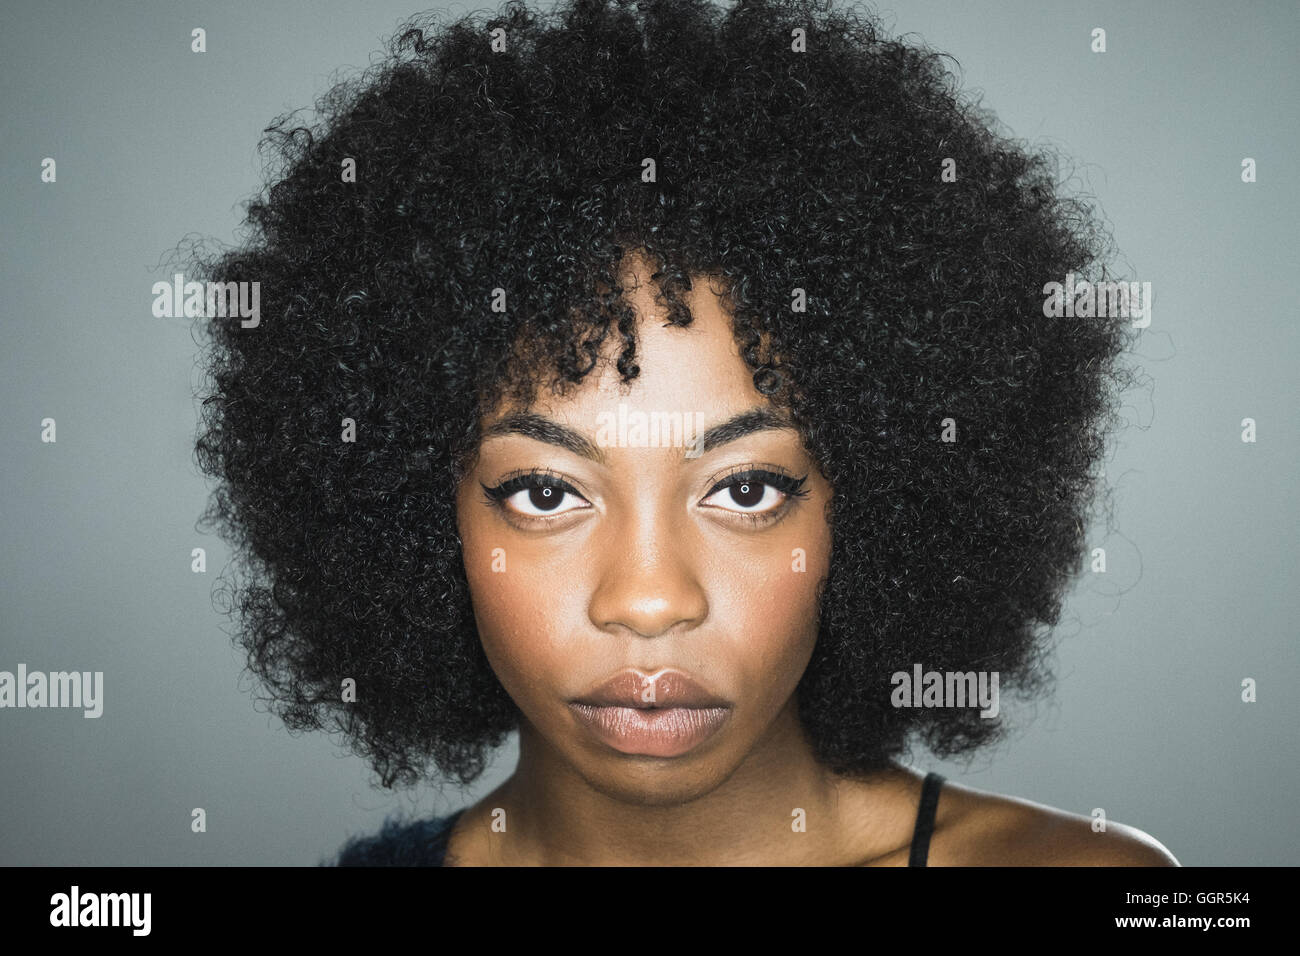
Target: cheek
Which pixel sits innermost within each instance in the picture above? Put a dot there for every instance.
(518, 610)
(789, 605)
(767, 601)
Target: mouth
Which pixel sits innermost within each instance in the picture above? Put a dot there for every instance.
(666, 715)
(653, 731)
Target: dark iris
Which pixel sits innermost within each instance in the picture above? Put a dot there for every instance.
(545, 491)
(545, 498)
(747, 494)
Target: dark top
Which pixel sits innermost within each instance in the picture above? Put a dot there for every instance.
(424, 842)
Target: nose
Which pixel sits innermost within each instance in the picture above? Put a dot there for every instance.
(649, 581)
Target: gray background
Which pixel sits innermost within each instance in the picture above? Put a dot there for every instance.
(154, 142)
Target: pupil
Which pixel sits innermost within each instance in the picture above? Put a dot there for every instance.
(747, 494)
(543, 497)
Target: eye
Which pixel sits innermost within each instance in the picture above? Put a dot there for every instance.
(754, 492)
(536, 495)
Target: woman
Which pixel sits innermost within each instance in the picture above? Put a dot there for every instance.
(673, 386)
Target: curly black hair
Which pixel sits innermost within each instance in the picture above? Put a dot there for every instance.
(795, 147)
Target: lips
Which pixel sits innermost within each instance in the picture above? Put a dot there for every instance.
(669, 688)
(667, 715)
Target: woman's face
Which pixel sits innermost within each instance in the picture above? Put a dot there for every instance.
(650, 614)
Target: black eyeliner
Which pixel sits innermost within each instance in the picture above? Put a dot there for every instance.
(794, 487)
(524, 481)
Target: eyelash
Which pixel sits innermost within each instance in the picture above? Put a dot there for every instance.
(533, 478)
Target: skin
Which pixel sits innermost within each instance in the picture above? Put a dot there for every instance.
(647, 566)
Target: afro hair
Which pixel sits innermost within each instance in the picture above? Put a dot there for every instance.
(795, 147)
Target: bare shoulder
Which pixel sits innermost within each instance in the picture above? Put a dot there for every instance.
(977, 828)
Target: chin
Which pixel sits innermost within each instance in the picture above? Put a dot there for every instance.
(653, 781)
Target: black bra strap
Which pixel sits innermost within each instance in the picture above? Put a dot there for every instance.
(925, 819)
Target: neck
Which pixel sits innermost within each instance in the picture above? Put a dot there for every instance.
(778, 807)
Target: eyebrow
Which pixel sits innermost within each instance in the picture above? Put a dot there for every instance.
(543, 429)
